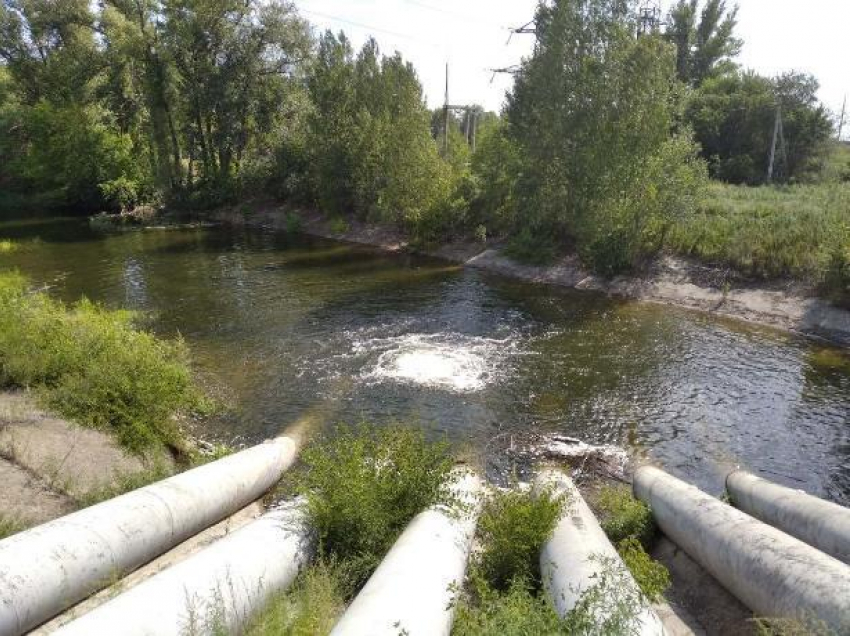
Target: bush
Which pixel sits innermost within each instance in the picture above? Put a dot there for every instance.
(311, 606)
(652, 578)
(92, 365)
(624, 517)
(364, 486)
(512, 529)
(516, 612)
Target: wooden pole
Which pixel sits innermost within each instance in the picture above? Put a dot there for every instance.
(446, 115)
(841, 120)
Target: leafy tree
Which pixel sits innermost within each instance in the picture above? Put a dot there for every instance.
(733, 118)
(704, 46)
(372, 151)
(592, 113)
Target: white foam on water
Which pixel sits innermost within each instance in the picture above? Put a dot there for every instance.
(461, 364)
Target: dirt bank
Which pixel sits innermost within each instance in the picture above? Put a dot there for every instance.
(671, 280)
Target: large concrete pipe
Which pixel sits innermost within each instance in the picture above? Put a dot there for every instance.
(214, 591)
(412, 590)
(576, 557)
(772, 573)
(819, 523)
(50, 567)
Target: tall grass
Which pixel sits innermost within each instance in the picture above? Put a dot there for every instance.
(94, 366)
(802, 232)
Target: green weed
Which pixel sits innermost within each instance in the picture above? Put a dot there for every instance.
(126, 482)
(7, 246)
(338, 225)
(10, 526)
(622, 516)
(94, 366)
(310, 607)
(364, 486)
(512, 529)
(514, 612)
(652, 577)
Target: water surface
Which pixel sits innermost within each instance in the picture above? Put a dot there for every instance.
(300, 329)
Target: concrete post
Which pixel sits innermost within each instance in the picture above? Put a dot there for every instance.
(772, 573)
(819, 523)
(48, 568)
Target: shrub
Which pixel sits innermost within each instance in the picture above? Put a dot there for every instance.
(652, 578)
(364, 486)
(516, 612)
(311, 606)
(512, 528)
(623, 516)
(92, 365)
(338, 225)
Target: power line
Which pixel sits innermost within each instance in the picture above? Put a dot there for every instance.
(369, 27)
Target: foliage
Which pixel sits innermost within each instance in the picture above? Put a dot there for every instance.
(370, 152)
(124, 482)
(592, 113)
(515, 612)
(607, 608)
(652, 577)
(704, 47)
(734, 116)
(312, 606)
(10, 525)
(805, 626)
(512, 529)
(797, 231)
(622, 516)
(92, 365)
(364, 486)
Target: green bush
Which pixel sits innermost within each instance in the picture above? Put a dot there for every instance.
(515, 612)
(652, 577)
(364, 486)
(512, 529)
(312, 606)
(622, 516)
(92, 365)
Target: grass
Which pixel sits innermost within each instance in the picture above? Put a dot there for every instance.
(7, 246)
(364, 485)
(312, 606)
(622, 516)
(800, 232)
(94, 366)
(652, 578)
(512, 529)
(10, 526)
(126, 482)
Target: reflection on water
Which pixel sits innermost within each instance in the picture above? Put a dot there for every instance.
(316, 332)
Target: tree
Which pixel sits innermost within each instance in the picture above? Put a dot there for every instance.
(592, 112)
(734, 116)
(372, 153)
(706, 46)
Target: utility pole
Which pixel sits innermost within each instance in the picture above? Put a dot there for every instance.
(446, 116)
(778, 137)
(841, 120)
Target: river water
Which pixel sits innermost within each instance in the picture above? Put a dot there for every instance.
(301, 330)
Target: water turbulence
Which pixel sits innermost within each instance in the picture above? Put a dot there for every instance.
(451, 362)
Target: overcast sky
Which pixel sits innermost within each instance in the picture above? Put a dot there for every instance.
(472, 36)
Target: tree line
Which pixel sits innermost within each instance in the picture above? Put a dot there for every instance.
(607, 137)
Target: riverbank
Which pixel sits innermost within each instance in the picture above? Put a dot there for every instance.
(670, 280)
(50, 466)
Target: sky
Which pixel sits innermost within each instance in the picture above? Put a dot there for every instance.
(472, 36)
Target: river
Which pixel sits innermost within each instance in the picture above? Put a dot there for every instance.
(296, 329)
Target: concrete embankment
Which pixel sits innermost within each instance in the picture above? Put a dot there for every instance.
(774, 574)
(48, 568)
